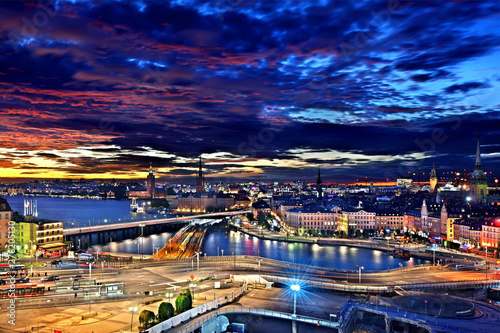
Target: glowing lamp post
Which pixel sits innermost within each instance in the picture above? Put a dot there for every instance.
(360, 268)
(169, 295)
(132, 309)
(296, 289)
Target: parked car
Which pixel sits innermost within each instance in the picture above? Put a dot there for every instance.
(76, 278)
(49, 278)
(55, 262)
(23, 280)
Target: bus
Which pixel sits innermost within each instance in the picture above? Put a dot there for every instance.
(23, 290)
(12, 270)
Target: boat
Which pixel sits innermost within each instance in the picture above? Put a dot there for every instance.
(401, 253)
(141, 209)
(134, 206)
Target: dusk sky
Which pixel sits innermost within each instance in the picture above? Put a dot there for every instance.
(262, 90)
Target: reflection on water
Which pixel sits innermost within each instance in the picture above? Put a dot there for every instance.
(229, 242)
(134, 246)
(340, 257)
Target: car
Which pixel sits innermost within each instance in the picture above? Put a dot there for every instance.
(55, 262)
(23, 280)
(76, 278)
(2, 282)
(49, 278)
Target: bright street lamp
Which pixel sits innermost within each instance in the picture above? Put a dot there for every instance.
(360, 268)
(169, 295)
(296, 288)
(132, 309)
(192, 286)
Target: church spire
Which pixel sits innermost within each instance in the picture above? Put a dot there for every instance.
(318, 180)
(433, 171)
(478, 154)
(200, 171)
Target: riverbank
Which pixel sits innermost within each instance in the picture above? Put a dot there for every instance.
(417, 251)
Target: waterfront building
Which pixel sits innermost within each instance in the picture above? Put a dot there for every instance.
(260, 206)
(150, 183)
(477, 183)
(49, 237)
(468, 231)
(5, 218)
(286, 206)
(490, 232)
(388, 219)
(305, 220)
(359, 219)
(26, 240)
(150, 192)
(204, 202)
(430, 217)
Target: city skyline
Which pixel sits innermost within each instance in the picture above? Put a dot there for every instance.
(260, 90)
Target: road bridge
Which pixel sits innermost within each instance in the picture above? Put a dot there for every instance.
(134, 229)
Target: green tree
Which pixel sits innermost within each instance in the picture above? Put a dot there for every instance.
(342, 233)
(366, 234)
(146, 318)
(181, 304)
(358, 233)
(187, 293)
(261, 218)
(160, 203)
(165, 311)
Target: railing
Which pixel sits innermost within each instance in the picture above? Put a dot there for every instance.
(258, 312)
(182, 317)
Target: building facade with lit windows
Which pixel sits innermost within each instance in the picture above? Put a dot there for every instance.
(468, 231)
(5, 218)
(49, 237)
(303, 220)
(490, 232)
(388, 219)
(204, 202)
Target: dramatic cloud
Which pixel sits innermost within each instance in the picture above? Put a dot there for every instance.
(261, 89)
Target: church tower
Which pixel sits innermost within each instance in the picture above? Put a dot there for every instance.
(477, 182)
(433, 179)
(319, 185)
(151, 182)
(200, 181)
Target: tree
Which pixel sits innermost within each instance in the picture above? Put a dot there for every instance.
(358, 233)
(261, 218)
(187, 293)
(165, 311)
(366, 234)
(181, 304)
(160, 203)
(146, 318)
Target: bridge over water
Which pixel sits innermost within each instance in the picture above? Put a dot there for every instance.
(134, 229)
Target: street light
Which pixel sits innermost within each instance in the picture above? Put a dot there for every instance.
(360, 268)
(198, 261)
(138, 245)
(169, 295)
(486, 259)
(296, 289)
(132, 309)
(192, 286)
